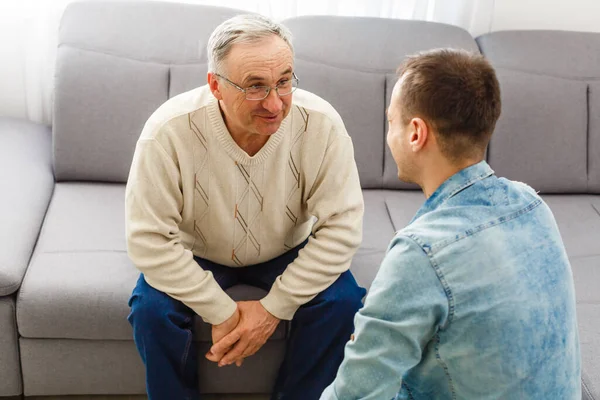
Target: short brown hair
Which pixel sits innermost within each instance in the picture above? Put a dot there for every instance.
(458, 93)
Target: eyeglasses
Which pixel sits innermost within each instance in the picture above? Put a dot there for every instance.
(283, 88)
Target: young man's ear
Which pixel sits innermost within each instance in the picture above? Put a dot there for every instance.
(419, 134)
(214, 85)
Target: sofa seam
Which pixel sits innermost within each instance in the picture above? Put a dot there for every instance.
(18, 347)
(81, 251)
(165, 63)
(389, 214)
(587, 390)
(10, 288)
(587, 135)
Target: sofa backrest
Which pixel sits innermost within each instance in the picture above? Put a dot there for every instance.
(352, 62)
(118, 61)
(549, 133)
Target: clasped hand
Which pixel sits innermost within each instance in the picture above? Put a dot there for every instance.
(242, 335)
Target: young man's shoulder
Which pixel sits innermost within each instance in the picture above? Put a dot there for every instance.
(488, 204)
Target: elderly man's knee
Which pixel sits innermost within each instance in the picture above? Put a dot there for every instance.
(149, 310)
(346, 297)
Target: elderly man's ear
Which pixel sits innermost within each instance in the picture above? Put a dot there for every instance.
(214, 84)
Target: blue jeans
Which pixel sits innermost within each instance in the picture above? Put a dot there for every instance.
(163, 331)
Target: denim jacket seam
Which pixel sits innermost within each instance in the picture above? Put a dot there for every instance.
(408, 391)
(443, 198)
(444, 366)
(490, 224)
(447, 291)
(468, 183)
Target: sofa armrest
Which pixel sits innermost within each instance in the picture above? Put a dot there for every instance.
(27, 182)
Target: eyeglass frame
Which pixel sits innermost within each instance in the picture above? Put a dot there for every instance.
(268, 88)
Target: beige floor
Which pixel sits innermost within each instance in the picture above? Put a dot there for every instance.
(206, 397)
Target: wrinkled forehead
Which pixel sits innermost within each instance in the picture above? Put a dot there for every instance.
(266, 53)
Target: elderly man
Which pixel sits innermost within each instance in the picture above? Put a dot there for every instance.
(475, 298)
(244, 180)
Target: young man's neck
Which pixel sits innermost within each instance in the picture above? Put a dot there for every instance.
(434, 175)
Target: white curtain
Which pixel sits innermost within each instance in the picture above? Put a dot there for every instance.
(29, 32)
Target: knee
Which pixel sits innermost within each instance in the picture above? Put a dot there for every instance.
(150, 309)
(346, 297)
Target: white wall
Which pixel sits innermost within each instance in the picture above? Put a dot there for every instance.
(573, 15)
(12, 78)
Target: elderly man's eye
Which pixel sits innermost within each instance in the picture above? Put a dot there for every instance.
(255, 89)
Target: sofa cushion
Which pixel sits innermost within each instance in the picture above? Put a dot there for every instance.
(356, 75)
(27, 183)
(386, 211)
(161, 32)
(101, 105)
(403, 205)
(10, 370)
(573, 55)
(363, 119)
(61, 367)
(588, 319)
(187, 77)
(347, 42)
(541, 136)
(112, 74)
(578, 219)
(594, 138)
(377, 233)
(586, 274)
(80, 278)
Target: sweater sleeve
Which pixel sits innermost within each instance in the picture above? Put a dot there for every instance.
(335, 199)
(153, 204)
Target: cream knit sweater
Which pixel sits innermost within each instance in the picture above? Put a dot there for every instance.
(193, 191)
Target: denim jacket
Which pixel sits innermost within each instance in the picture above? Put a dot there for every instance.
(474, 300)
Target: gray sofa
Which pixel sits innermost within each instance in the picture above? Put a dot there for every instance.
(65, 277)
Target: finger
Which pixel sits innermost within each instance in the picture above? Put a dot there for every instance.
(211, 357)
(226, 342)
(239, 362)
(251, 349)
(235, 353)
(216, 357)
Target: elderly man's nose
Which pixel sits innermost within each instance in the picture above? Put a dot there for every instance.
(272, 102)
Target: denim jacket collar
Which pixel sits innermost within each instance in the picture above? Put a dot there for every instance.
(457, 182)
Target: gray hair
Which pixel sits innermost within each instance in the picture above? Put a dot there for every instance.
(247, 28)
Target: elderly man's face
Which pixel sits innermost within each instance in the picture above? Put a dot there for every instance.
(265, 63)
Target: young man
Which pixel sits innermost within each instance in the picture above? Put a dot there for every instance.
(224, 185)
(475, 297)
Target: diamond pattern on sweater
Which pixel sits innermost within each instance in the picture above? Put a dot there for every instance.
(202, 179)
(293, 181)
(248, 207)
